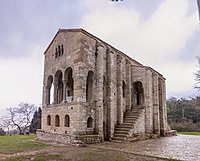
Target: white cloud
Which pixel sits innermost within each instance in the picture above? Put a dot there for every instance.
(21, 79)
(157, 41)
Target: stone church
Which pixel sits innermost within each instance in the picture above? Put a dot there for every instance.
(93, 92)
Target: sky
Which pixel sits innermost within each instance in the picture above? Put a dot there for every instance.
(163, 34)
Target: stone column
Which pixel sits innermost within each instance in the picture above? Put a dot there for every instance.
(55, 101)
(79, 108)
(128, 80)
(163, 112)
(99, 90)
(64, 90)
(119, 91)
(111, 100)
(164, 106)
(132, 92)
(80, 78)
(148, 90)
(156, 123)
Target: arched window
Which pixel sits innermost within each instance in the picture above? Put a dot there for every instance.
(49, 120)
(124, 89)
(138, 94)
(58, 87)
(57, 121)
(89, 86)
(59, 51)
(49, 90)
(89, 122)
(67, 121)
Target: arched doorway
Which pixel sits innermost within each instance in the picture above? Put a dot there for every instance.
(138, 94)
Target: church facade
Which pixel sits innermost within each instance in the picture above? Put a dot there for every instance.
(93, 92)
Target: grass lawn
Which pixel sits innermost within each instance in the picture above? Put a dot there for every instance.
(18, 143)
(189, 133)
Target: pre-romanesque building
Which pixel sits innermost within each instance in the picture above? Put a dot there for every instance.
(93, 92)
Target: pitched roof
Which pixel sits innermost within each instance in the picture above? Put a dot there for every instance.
(90, 35)
(96, 38)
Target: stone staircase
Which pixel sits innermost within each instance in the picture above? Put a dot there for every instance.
(123, 131)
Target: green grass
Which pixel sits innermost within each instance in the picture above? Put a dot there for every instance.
(18, 143)
(189, 133)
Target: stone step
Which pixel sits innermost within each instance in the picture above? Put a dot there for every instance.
(122, 132)
(125, 125)
(122, 129)
(121, 135)
(129, 121)
(118, 138)
(130, 118)
(132, 113)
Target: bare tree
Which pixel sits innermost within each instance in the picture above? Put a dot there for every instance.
(6, 124)
(20, 116)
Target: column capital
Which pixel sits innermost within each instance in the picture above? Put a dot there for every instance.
(119, 57)
(109, 50)
(100, 44)
(48, 86)
(55, 84)
(128, 62)
(64, 81)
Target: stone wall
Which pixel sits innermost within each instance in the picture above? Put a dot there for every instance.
(67, 139)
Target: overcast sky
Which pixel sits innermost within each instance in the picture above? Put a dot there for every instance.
(163, 34)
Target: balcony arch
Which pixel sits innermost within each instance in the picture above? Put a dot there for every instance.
(58, 87)
(68, 85)
(49, 90)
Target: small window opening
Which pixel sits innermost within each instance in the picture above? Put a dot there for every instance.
(89, 122)
(124, 89)
(49, 120)
(57, 121)
(67, 121)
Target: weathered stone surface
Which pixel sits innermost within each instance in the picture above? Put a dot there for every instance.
(89, 86)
